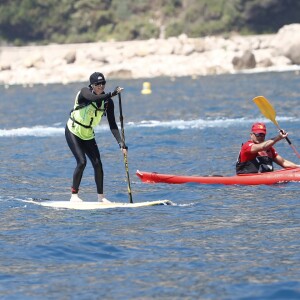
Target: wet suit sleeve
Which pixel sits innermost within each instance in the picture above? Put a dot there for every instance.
(86, 96)
(110, 111)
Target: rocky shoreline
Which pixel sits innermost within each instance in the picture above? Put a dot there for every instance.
(173, 57)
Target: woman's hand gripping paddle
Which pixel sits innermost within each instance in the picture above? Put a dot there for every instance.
(269, 112)
(125, 155)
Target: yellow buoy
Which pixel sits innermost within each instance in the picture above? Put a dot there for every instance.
(146, 88)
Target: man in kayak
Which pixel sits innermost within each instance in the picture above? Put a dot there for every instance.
(258, 155)
(91, 103)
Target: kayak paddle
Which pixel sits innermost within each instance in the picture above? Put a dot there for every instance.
(269, 112)
(125, 155)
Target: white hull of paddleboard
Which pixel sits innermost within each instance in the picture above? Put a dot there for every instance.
(98, 205)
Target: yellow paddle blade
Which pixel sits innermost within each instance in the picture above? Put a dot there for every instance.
(266, 108)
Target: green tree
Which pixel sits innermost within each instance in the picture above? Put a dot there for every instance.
(65, 21)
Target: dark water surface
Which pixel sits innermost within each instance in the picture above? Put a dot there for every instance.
(218, 242)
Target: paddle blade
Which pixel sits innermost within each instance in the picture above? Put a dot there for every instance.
(266, 108)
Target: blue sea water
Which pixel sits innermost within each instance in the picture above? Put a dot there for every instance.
(217, 242)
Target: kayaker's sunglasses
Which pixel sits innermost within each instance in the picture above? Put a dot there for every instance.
(100, 83)
(259, 134)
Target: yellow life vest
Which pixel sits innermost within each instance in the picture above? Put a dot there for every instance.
(83, 119)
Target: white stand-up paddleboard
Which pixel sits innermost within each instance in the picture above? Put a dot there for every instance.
(98, 205)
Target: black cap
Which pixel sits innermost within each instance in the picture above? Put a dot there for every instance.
(96, 77)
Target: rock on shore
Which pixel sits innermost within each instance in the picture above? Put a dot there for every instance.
(174, 57)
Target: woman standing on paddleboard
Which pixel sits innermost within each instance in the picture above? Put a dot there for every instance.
(91, 103)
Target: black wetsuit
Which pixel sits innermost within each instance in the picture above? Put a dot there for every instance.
(80, 148)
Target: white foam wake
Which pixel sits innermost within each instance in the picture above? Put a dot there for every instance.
(45, 131)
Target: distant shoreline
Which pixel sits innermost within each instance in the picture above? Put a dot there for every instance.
(173, 57)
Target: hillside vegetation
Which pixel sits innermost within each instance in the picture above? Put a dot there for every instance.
(25, 22)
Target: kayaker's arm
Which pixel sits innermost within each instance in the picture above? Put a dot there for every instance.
(284, 163)
(269, 143)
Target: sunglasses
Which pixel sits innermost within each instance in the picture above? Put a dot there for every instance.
(259, 134)
(100, 83)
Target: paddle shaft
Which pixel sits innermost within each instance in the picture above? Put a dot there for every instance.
(125, 155)
(290, 143)
(287, 139)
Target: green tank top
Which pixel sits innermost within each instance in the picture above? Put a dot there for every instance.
(83, 120)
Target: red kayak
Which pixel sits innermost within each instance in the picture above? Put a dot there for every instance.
(284, 175)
